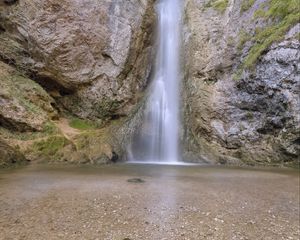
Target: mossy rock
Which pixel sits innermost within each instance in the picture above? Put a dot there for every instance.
(51, 145)
(283, 15)
(81, 124)
(218, 5)
(247, 4)
(25, 104)
(48, 129)
(9, 156)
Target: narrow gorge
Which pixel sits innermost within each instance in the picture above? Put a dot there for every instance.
(149, 119)
(75, 76)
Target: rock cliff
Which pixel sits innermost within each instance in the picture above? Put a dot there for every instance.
(10, 156)
(241, 88)
(84, 61)
(92, 57)
(74, 73)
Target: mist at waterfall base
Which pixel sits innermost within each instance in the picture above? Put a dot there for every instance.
(157, 139)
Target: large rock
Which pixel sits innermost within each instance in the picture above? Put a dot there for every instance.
(253, 119)
(25, 106)
(93, 55)
(10, 156)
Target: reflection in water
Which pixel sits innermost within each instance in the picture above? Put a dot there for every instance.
(168, 202)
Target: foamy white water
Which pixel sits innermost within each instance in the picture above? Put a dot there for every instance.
(159, 138)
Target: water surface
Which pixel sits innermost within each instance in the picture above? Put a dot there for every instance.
(171, 202)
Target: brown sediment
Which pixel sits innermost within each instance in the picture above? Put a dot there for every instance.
(171, 202)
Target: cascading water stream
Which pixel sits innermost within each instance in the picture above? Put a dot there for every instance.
(158, 140)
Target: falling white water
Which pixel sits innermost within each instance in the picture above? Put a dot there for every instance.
(158, 141)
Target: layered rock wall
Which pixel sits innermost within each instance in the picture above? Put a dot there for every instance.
(235, 115)
(72, 59)
(93, 57)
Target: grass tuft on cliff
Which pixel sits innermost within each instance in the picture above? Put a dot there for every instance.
(247, 4)
(244, 37)
(48, 129)
(219, 5)
(82, 124)
(51, 145)
(284, 15)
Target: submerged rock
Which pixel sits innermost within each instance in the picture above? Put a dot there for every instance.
(136, 180)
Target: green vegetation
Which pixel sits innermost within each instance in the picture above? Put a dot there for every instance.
(260, 13)
(247, 4)
(282, 9)
(249, 115)
(284, 15)
(48, 129)
(82, 124)
(269, 35)
(244, 37)
(51, 145)
(238, 75)
(25, 92)
(106, 107)
(219, 5)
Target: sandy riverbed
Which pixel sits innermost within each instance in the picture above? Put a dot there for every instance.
(173, 202)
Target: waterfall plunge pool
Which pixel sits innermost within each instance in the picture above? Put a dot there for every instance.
(139, 201)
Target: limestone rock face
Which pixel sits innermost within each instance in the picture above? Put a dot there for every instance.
(93, 56)
(253, 119)
(9, 156)
(92, 59)
(25, 106)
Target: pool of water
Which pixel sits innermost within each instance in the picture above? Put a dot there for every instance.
(148, 201)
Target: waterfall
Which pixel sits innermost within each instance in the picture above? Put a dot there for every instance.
(158, 139)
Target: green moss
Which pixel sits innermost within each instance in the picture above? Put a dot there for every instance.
(219, 5)
(281, 9)
(51, 145)
(82, 124)
(284, 15)
(28, 93)
(107, 107)
(244, 37)
(247, 4)
(265, 38)
(48, 129)
(249, 115)
(238, 75)
(259, 13)
(231, 41)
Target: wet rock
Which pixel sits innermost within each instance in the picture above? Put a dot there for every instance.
(114, 157)
(136, 180)
(10, 156)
